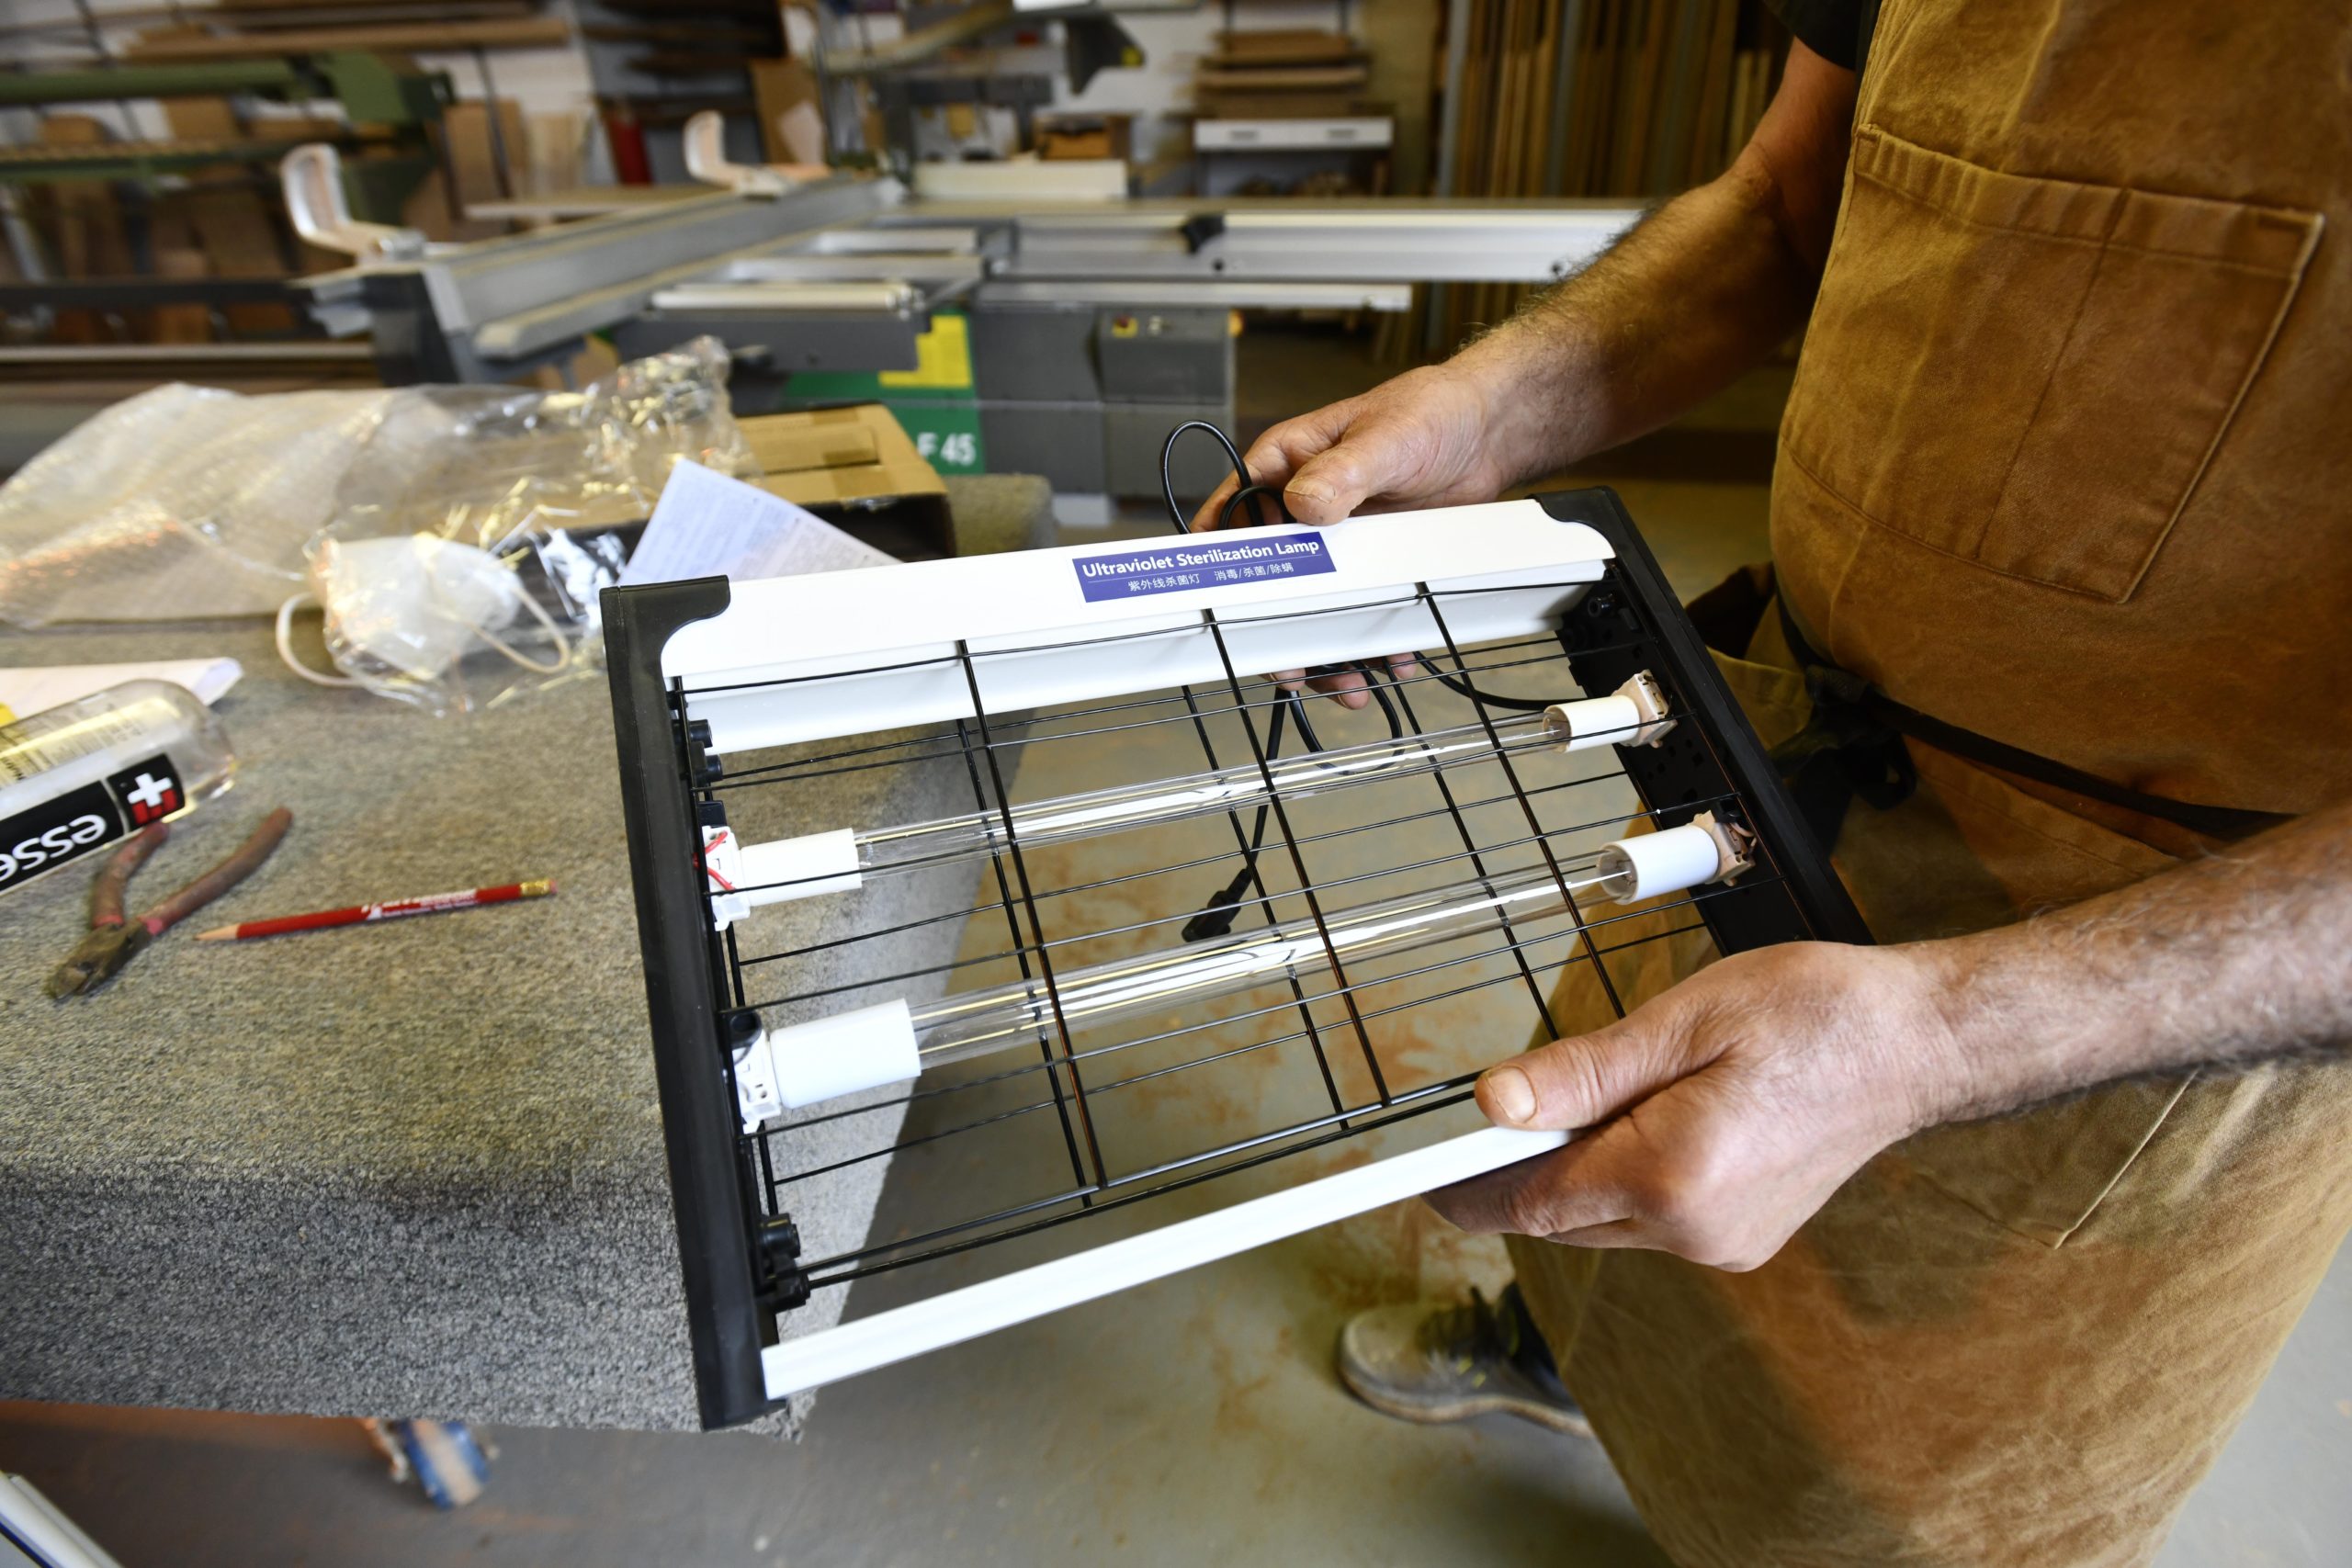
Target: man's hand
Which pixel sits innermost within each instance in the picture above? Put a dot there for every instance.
(1723, 1112)
(1420, 440)
(1423, 439)
(1699, 291)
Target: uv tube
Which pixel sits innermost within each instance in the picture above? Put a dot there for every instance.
(742, 878)
(892, 1041)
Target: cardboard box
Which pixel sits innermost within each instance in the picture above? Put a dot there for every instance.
(856, 467)
(1084, 136)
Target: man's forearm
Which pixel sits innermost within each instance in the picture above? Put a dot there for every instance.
(1698, 292)
(2229, 958)
(1722, 1113)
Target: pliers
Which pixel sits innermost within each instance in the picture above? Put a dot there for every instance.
(115, 940)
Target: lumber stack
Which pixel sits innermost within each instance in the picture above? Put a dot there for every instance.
(1640, 98)
(1282, 74)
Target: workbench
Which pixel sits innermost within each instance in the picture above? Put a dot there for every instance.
(405, 1169)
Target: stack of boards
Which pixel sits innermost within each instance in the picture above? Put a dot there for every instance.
(1282, 73)
(1603, 98)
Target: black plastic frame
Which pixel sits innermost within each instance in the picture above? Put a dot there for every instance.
(719, 1255)
(1635, 621)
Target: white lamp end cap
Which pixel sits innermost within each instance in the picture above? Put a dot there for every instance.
(1635, 714)
(1674, 859)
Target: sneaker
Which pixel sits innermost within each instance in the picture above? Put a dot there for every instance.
(1448, 1363)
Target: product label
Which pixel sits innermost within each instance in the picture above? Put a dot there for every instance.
(80, 821)
(1251, 555)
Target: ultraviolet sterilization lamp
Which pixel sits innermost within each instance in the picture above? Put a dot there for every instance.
(1551, 782)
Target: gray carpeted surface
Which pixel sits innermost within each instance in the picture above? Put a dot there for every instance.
(405, 1169)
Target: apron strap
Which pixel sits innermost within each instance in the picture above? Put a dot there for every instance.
(1853, 745)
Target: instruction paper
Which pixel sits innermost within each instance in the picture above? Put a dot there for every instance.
(707, 525)
(28, 690)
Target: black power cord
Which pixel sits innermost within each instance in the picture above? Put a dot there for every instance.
(1456, 684)
(1216, 917)
(1251, 490)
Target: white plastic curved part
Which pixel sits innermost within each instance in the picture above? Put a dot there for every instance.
(311, 178)
(827, 1057)
(740, 878)
(1668, 861)
(704, 142)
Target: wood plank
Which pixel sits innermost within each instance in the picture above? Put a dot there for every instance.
(181, 323)
(83, 227)
(238, 228)
(1281, 78)
(526, 32)
(1600, 96)
(1550, 21)
(557, 147)
(1287, 46)
(480, 173)
(1640, 89)
(791, 116)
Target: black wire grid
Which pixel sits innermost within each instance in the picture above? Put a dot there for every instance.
(1089, 1118)
(1341, 1016)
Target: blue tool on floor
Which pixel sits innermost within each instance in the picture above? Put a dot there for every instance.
(442, 1455)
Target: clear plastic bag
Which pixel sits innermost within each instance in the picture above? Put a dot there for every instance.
(536, 482)
(189, 501)
(185, 502)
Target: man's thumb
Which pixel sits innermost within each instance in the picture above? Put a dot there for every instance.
(1328, 486)
(1584, 1079)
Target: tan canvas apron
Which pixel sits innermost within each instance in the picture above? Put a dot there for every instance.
(2067, 464)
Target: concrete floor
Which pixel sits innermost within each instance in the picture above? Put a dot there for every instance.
(1193, 1420)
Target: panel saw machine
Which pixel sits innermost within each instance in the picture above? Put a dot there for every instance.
(1094, 326)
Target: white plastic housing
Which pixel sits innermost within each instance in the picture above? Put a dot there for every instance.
(742, 878)
(1509, 568)
(1701, 849)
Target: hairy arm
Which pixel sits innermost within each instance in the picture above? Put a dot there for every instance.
(2227, 959)
(1698, 292)
(1724, 1112)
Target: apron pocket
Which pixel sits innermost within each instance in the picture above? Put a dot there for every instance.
(2031, 373)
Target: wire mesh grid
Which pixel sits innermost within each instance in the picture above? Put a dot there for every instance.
(1087, 1107)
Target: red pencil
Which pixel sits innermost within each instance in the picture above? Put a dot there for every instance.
(367, 914)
